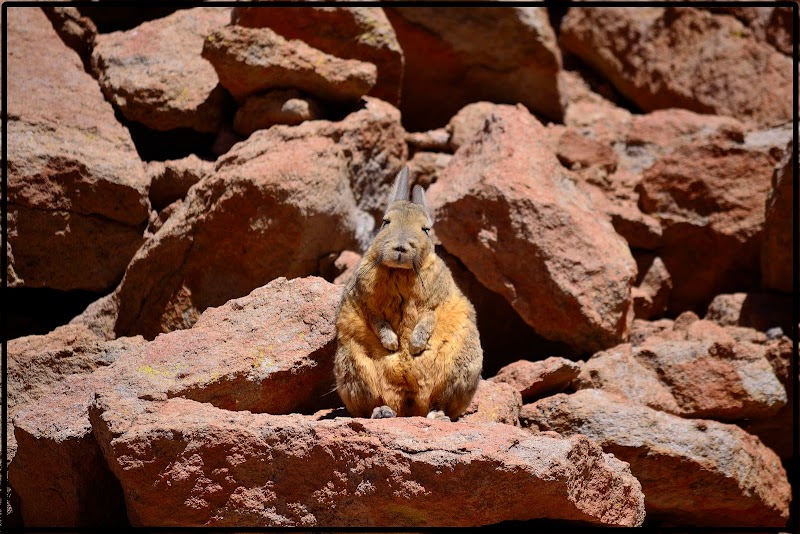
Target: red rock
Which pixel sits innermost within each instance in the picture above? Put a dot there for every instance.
(425, 167)
(494, 402)
(77, 31)
(59, 471)
(466, 54)
(709, 197)
(437, 140)
(171, 179)
(577, 152)
(651, 56)
(285, 193)
(137, 70)
(240, 469)
(654, 284)
(76, 187)
(707, 375)
(772, 25)
(362, 33)
(275, 107)
(776, 252)
(534, 380)
(762, 311)
(100, 316)
(693, 472)
(519, 224)
(641, 329)
(252, 60)
(468, 122)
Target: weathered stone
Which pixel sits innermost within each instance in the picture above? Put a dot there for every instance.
(76, 187)
(437, 140)
(709, 197)
(577, 152)
(285, 193)
(154, 73)
(241, 469)
(77, 31)
(769, 24)
(274, 107)
(467, 54)
(651, 56)
(707, 375)
(425, 167)
(494, 402)
(776, 252)
(761, 311)
(362, 33)
(534, 380)
(468, 123)
(517, 221)
(653, 287)
(253, 60)
(693, 472)
(170, 180)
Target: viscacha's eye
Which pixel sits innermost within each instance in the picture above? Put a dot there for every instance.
(427, 230)
(385, 222)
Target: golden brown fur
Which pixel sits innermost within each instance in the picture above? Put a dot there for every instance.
(407, 337)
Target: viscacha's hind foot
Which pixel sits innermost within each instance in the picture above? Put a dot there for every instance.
(438, 415)
(383, 412)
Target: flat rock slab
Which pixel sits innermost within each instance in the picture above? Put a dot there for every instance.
(154, 73)
(252, 60)
(516, 219)
(76, 186)
(693, 472)
(184, 463)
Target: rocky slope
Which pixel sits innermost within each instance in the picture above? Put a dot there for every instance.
(612, 189)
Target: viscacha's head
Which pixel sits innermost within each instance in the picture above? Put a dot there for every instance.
(404, 241)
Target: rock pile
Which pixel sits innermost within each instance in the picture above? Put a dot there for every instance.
(611, 187)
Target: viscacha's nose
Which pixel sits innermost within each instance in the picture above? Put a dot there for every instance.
(401, 248)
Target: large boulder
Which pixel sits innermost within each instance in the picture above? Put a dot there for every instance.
(183, 463)
(287, 194)
(459, 55)
(693, 472)
(518, 222)
(706, 374)
(651, 56)
(362, 33)
(76, 187)
(154, 73)
(534, 380)
(710, 196)
(271, 351)
(776, 252)
(253, 60)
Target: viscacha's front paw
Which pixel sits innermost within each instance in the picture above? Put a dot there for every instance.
(389, 339)
(418, 342)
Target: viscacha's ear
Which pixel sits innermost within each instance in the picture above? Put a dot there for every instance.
(418, 197)
(400, 188)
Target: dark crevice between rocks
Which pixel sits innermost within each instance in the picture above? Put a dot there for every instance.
(556, 11)
(154, 145)
(38, 311)
(598, 82)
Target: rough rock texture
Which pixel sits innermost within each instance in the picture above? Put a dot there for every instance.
(653, 287)
(707, 374)
(468, 122)
(76, 187)
(154, 73)
(286, 195)
(710, 197)
(252, 60)
(534, 380)
(692, 472)
(437, 140)
(77, 31)
(100, 316)
(762, 311)
(425, 167)
(59, 471)
(362, 33)
(269, 351)
(769, 24)
(494, 403)
(274, 107)
(466, 54)
(776, 252)
(683, 57)
(170, 180)
(236, 469)
(517, 221)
